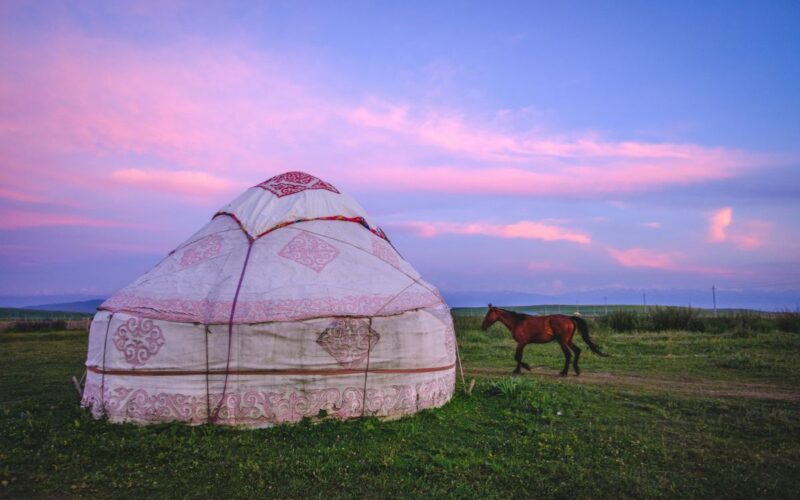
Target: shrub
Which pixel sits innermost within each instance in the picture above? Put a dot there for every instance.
(465, 322)
(620, 321)
(676, 318)
(740, 323)
(40, 325)
(788, 321)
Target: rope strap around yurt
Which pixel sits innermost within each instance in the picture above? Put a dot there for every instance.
(366, 370)
(103, 376)
(230, 331)
(208, 373)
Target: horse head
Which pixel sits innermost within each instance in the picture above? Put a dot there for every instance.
(491, 317)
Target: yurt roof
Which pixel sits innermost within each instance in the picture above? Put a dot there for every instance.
(289, 198)
(308, 251)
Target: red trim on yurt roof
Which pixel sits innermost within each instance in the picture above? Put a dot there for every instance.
(359, 220)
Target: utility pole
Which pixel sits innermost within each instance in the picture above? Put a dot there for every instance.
(605, 299)
(644, 301)
(714, 298)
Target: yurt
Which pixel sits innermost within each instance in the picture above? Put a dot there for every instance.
(289, 303)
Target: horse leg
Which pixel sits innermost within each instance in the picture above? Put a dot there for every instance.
(577, 351)
(567, 358)
(518, 358)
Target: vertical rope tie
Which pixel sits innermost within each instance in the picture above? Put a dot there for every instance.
(103, 376)
(366, 370)
(230, 330)
(208, 393)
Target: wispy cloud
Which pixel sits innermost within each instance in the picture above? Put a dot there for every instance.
(531, 230)
(665, 261)
(190, 107)
(15, 219)
(509, 160)
(187, 182)
(642, 257)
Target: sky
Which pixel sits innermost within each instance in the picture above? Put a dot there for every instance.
(541, 147)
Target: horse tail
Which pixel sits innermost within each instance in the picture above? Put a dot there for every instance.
(583, 328)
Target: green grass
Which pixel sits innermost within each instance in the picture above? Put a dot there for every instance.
(749, 356)
(531, 436)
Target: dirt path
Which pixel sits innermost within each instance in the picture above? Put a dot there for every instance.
(695, 386)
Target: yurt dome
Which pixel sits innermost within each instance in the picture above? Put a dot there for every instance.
(289, 303)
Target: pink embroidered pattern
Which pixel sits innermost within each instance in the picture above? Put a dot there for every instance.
(261, 408)
(310, 251)
(138, 341)
(386, 253)
(348, 341)
(293, 183)
(219, 311)
(201, 250)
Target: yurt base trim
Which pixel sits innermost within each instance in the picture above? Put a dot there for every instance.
(254, 408)
(344, 371)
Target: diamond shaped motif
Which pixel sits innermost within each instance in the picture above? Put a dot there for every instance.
(293, 183)
(348, 341)
(310, 251)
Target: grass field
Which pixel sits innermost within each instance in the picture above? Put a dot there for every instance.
(671, 414)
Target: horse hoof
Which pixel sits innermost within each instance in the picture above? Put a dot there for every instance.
(564, 374)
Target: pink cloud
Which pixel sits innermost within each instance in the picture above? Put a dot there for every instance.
(233, 112)
(652, 225)
(15, 219)
(522, 230)
(533, 162)
(540, 266)
(575, 182)
(666, 261)
(193, 107)
(641, 257)
(190, 183)
(747, 234)
(718, 223)
(20, 196)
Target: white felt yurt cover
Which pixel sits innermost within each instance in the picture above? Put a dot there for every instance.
(289, 303)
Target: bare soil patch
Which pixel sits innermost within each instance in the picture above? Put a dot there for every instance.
(689, 386)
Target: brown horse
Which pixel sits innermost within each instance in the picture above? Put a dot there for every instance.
(528, 329)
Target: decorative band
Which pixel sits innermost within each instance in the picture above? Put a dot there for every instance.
(264, 371)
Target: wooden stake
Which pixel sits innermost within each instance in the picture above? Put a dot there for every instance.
(77, 386)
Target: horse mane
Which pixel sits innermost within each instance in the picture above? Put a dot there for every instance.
(515, 314)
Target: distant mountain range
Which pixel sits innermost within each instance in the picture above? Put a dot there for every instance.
(726, 299)
(85, 306)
